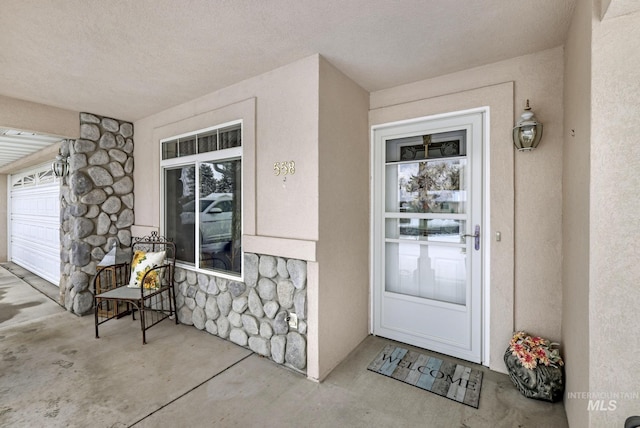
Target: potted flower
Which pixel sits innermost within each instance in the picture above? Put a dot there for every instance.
(535, 366)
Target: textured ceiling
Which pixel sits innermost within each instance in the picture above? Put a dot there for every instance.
(129, 59)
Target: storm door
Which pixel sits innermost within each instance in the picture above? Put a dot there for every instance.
(427, 267)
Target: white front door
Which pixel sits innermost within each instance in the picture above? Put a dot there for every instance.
(427, 202)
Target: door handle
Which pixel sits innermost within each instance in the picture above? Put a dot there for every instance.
(476, 235)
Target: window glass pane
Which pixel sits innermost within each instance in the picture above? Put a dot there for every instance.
(230, 137)
(169, 149)
(208, 142)
(205, 221)
(187, 147)
(220, 216)
(46, 176)
(179, 217)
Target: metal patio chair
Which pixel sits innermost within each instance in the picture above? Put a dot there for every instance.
(154, 299)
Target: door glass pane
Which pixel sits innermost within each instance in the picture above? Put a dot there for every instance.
(432, 230)
(428, 146)
(430, 271)
(426, 187)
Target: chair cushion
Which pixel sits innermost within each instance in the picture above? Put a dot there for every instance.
(143, 262)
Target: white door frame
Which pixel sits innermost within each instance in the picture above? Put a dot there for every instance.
(486, 211)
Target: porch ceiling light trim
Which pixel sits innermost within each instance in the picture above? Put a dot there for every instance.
(527, 132)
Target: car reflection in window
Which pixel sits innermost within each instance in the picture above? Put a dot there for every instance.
(216, 211)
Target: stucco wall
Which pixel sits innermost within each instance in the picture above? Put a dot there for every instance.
(43, 119)
(280, 217)
(343, 248)
(288, 113)
(286, 128)
(614, 295)
(575, 210)
(530, 275)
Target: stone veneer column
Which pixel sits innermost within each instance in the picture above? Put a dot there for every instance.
(96, 204)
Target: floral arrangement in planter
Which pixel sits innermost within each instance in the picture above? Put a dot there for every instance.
(535, 367)
(534, 350)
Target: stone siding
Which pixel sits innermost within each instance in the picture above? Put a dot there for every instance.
(96, 204)
(253, 313)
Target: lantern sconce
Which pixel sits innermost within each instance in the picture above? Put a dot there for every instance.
(60, 166)
(527, 132)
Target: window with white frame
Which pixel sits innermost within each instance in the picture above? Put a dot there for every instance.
(202, 197)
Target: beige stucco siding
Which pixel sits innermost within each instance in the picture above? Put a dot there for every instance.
(343, 248)
(286, 111)
(614, 295)
(575, 210)
(39, 118)
(280, 216)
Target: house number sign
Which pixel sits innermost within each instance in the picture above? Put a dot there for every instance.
(284, 168)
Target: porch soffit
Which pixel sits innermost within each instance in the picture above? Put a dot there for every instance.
(16, 145)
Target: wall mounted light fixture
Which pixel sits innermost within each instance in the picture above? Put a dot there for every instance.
(527, 132)
(60, 166)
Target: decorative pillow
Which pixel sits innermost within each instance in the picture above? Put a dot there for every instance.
(142, 263)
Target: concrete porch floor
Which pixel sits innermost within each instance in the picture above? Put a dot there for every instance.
(54, 373)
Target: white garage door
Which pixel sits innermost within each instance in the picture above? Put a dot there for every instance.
(35, 222)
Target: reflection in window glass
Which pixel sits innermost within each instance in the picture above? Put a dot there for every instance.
(203, 198)
(433, 230)
(208, 142)
(170, 149)
(220, 228)
(429, 271)
(230, 137)
(179, 217)
(426, 187)
(205, 142)
(187, 147)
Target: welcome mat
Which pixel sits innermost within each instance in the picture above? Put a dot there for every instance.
(446, 378)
